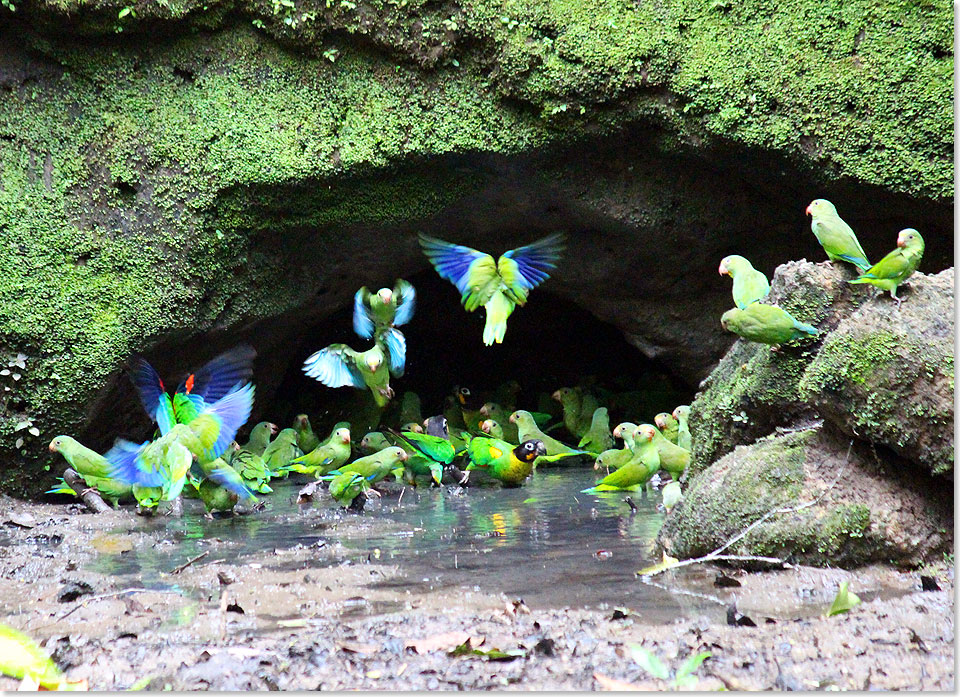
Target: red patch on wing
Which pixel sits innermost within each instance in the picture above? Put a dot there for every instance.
(189, 384)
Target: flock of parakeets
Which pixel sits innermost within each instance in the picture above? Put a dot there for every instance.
(769, 324)
(194, 452)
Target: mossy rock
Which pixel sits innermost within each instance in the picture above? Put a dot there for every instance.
(862, 509)
(753, 389)
(885, 375)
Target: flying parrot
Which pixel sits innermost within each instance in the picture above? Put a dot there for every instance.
(93, 467)
(890, 272)
(498, 286)
(834, 235)
(260, 438)
(668, 426)
(324, 458)
(682, 415)
(210, 383)
(307, 440)
(338, 365)
(597, 438)
(638, 470)
(508, 464)
(377, 316)
(765, 324)
(749, 285)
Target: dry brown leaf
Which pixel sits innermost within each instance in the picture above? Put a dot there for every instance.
(438, 642)
(612, 685)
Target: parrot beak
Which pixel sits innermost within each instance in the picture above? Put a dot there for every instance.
(900, 241)
(513, 418)
(659, 421)
(425, 422)
(385, 294)
(52, 447)
(485, 426)
(617, 432)
(345, 437)
(809, 212)
(273, 429)
(556, 395)
(404, 456)
(722, 270)
(675, 415)
(484, 411)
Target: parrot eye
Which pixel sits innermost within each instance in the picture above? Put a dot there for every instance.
(464, 391)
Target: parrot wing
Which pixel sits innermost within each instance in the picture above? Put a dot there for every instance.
(525, 268)
(216, 427)
(229, 479)
(335, 366)
(891, 266)
(220, 375)
(396, 345)
(406, 302)
(127, 464)
(433, 447)
(362, 322)
(473, 273)
(150, 388)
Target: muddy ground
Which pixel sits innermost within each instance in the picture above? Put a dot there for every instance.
(277, 621)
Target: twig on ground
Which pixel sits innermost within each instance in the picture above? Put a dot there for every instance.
(89, 496)
(188, 563)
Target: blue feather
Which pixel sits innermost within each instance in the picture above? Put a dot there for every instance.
(127, 466)
(534, 260)
(218, 376)
(329, 367)
(232, 411)
(231, 481)
(452, 261)
(362, 324)
(406, 307)
(397, 350)
(148, 384)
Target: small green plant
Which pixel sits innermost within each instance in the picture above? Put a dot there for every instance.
(844, 601)
(684, 677)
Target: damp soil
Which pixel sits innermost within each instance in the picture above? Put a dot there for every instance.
(310, 597)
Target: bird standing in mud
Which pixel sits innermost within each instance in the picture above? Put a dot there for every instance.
(894, 269)
(497, 286)
(508, 464)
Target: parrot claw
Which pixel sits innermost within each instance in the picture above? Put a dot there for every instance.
(373, 493)
(464, 478)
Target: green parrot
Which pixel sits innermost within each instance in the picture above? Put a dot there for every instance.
(439, 426)
(668, 426)
(834, 235)
(372, 469)
(626, 431)
(222, 487)
(470, 407)
(428, 453)
(338, 365)
(93, 467)
(765, 324)
(578, 409)
(508, 464)
(682, 415)
(410, 409)
(597, 438)
(333, 432)
(528, 430)
(307, 440)
(613, 459)
(346, 487)
(672, 495)
(324, 458)
(260, 438)
(492, 429)
(250, 467)
(373, 442)
(497, 286)
(375, 313)
(749, 285)
(493, 411)
(890, 272)
(168, 460)
(638, 470)
(281, 452)
(412, 427)
(673, 458)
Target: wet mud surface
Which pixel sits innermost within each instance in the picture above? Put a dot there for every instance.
(308, 597)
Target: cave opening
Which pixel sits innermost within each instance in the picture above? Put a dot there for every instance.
(550, 343)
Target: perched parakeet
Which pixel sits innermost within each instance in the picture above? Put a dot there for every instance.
(613, 459)
(492, 411)
(333, 432)
(413, 427)
(765, 324)
(93, 467)
(260, 437)
(324, 458)
(749, 285)
(436, 448)
(834, 235)
(638, 470)
(222, 486)
(626, 431)
(672, 495)
(281, 452)
(504, 462)
(682, 415)
(373, 442)
(439, 426)
(374, 467)
(673, 458)
(338, 365)
(307, 440)
(597, 438)
(210, 383)
(496, 286)
(470, 406)
(528, 430)
(668, 426)
(377, 316)
(578, 409)
(251, 468)
(160, 466)
(347, 486)
(890, 272)
(492, 429)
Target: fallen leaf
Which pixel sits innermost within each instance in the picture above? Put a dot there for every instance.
(21, 520)
(357, 647)
(844, 601)
(612, 685)
(438, 642)
(666, 563)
